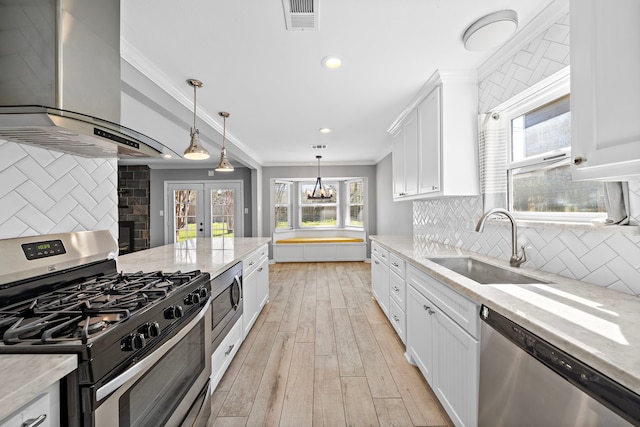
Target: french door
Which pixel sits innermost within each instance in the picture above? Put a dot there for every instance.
(198, 209)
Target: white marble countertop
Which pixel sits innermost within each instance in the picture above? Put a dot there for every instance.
(205, 254)
(599, 326)
(25, 376)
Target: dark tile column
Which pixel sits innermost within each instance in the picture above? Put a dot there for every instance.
(133, 201)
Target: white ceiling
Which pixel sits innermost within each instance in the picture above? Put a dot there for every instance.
(271, 82)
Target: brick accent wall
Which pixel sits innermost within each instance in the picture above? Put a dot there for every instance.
(133, 201)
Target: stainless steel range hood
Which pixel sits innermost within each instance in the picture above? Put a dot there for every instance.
(60, 80)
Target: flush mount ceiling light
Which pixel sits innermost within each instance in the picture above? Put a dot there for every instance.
(319, 192)
(490, 30)
(331, 62)
(324, 130)
(224, 165)
(195, 151)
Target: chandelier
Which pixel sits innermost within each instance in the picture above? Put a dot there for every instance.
(319, 192)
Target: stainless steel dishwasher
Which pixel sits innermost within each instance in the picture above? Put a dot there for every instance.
(526, 381)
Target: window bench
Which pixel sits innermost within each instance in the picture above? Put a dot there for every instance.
(319, 245)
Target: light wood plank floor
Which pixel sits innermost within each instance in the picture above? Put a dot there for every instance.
(322, 353)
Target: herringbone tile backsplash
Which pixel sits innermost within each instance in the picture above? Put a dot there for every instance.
(602, 257)
(44, 192)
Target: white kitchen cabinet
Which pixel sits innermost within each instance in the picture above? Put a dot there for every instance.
(397, 299)
(442, 340)
(45, 407)
(429, 143)
(380, 276)
(605, 89)
(255, 286)
(224, 354)
(404, 159)
(442, 119)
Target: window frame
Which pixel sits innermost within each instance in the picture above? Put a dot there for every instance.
(547, 91)
(301, 204)
(288, 205)
(348, 204)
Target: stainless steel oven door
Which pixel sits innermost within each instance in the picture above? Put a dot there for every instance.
(161, 389)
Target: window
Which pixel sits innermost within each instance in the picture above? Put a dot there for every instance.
(355, 208)
(538, 170)
(318, 213)
(281, 202)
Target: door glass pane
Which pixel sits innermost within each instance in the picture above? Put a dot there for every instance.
(222, 213)
(185, 208)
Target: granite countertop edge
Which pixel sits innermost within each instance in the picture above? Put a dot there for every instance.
(619, 362)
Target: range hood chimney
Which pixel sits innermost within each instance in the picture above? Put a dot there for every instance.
(60, 82)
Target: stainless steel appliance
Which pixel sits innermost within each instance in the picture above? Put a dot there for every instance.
(64, 91)
(143, 339)
(226, 303)
(526, 381)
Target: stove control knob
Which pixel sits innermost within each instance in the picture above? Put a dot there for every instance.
(203, 292)
(133, 342)
(192, 298)
(173, 312)
(150, 330)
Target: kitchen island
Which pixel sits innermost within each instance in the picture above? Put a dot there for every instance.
(207, 255)
(596, 325)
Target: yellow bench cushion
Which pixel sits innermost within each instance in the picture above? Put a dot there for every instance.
(321, 240)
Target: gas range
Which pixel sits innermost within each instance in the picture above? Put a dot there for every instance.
(82, 305)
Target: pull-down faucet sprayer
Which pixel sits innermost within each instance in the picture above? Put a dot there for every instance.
(515, 260)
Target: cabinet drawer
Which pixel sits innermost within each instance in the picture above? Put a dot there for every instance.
(398, 319)
(398, 289)
(251, 262)
(380, 252)
(461, 310)
(221, 358)
(397, 265)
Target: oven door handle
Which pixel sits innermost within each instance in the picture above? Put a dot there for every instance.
(152, 359)
(236, 280)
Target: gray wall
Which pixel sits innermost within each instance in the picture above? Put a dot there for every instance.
(327, 173)
(158, 178)
(394, 218)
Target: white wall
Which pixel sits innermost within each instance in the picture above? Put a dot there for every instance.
(44, 192)
(605, 257)
(394, 218)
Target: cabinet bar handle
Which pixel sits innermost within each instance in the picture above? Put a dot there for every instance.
(377, 262)
(251, 263)
(260, 270)
(395, 264)
(396, 318)
(397, 289)
(226, 353)
(33, 422)
(578, 160)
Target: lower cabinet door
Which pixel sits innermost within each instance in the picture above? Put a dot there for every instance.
(249, 301)
(397, 318)
(262, 285)
(419, 327)
(456, 372)
(380, 283)
(222, 356)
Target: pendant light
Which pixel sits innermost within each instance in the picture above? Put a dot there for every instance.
(224, 165)
(195, 151)
(319, 192)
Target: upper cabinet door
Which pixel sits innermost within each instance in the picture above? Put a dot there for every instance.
(429, 142)
(410, 159)
(605, 89)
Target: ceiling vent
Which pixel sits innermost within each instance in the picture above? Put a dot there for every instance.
(319, 146)
(301, 15)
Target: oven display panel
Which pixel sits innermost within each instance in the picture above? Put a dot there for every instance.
(37, 250)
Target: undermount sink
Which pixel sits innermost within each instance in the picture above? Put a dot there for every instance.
(482, 272)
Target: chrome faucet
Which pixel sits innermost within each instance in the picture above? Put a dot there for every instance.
(515, 260)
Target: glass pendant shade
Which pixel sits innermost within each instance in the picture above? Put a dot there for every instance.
(224, 165)
(195, 151)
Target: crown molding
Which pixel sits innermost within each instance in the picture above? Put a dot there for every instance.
(540, 23)
(141, 63)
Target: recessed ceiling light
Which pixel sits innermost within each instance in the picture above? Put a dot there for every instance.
(319, 146)
(166, 156)
(331, 62)
(324, 130)
(490, 30)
